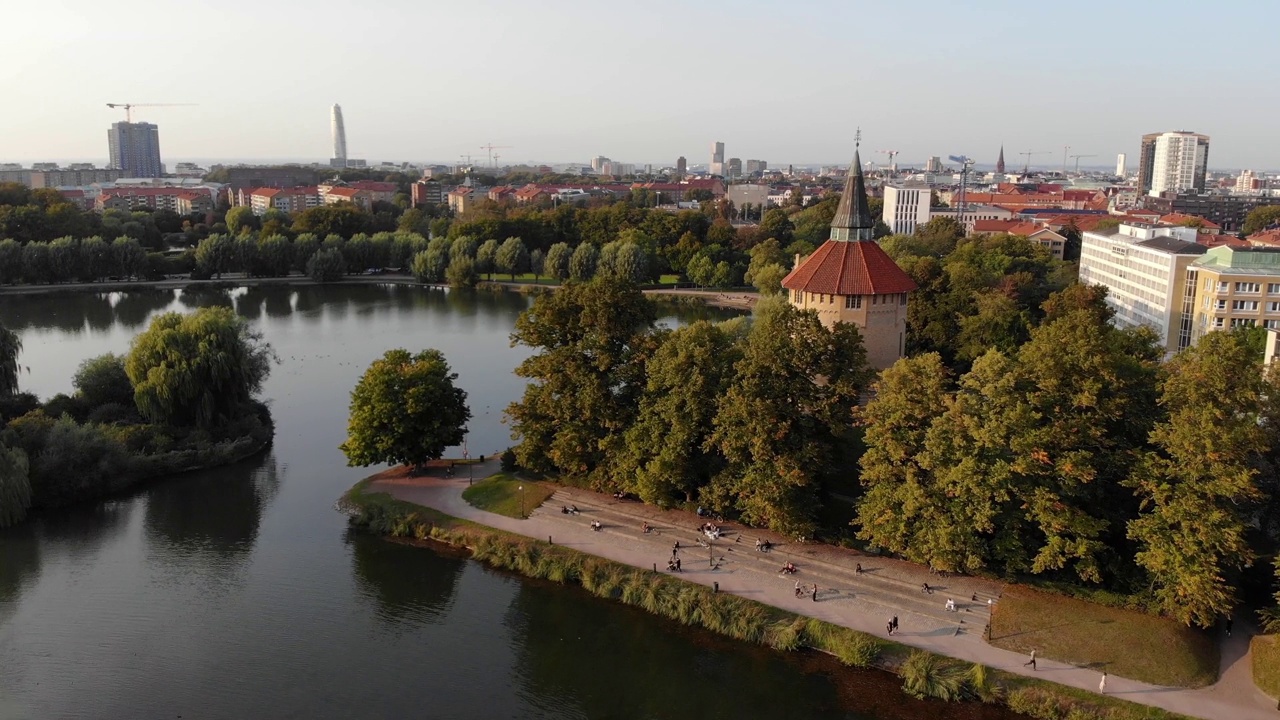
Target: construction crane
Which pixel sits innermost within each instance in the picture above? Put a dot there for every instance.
(1077, 159)
(1026, 166)
(491, 147)
(128, 107)
(966, 163)
(892, 154)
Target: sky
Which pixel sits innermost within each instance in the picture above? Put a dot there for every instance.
(787, 81)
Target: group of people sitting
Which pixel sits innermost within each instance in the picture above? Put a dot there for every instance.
(646, 528)
(712, 531)
(595, 525)
(568, 509)
(763, 545)
(788, 569)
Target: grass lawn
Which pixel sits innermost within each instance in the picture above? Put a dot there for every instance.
(1123, 642)
(1265, 650)
(501, 494)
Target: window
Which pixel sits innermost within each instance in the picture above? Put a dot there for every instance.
(1273, 307)
(1243, 322)
(1271, 324)
(875, 299)
(1217, 322)
(1247, 287)
(1221, 305)
(1273, 288)
(1244, 304)
(1223, 287)
(853, 302)
(902, 299)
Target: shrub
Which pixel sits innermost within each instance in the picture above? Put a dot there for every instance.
(103, 380)
(63, 404)
(925, 675)
(17, 405)
(327, 265)
(113, 414)
(508, 461)
(15, 486)
(77, 462)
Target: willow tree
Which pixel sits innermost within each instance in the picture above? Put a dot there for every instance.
(15, 486)
(10, 346)
(197, 369)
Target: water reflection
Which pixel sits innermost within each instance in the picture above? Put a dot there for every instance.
(208, 521)
(407, 584)
(134, 308)
(199, 296)
(19, 562)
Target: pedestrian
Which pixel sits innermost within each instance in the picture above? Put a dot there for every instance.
(924, 588)
(895, 622)
(815, 592)
(798, 588)
(857, 569)
(1032, 661)
(1102, 684)
(678, 565)
(889, 625)
(1230, 622)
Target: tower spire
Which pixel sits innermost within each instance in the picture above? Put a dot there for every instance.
(853, 215)
(1000, 160)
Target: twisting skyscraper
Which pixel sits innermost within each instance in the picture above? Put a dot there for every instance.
(339, 138)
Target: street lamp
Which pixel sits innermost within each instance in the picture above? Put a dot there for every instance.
(521, 502)
(466, 457)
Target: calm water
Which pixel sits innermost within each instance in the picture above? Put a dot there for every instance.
(241, 593)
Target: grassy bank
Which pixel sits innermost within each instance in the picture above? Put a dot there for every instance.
(1265, 650)
(924, 674)
(1123, 642)
(501, 494)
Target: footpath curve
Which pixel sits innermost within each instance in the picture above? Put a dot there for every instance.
(863, 603)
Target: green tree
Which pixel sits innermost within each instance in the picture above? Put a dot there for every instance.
(1200, 481)
(64, 259)
(405, 410)
(1260, 218)
(666, 455)
(537, 264)
(15, 486)
(768, 279)
(486, 258)
(464, 246)
(95, 259)
(76, 462)
(10, 348)
(102, 380)
(582, 264)
(415, 220)
(1270, 616)
(275, 255)
(10, 261)
(327, 266)
(197, 369)
(586, 376)
(785, 425)
(557, 264)
(36, 267)
(240, 220)
(997, 323)
(216, 254)
(462, 272)
(342, 219)
(905, 509)
(304, 247)
(701, 270)
(776, 225)
(128, 257)
(512, 257)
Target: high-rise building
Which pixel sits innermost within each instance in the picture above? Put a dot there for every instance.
(1248, 182)
(339, 137)
(933, 164)
(1120, 165)
(717, 158)
(135, 149)
(852, 279)
(734, 168)
(682, 166)
(1172, 162)
(1000, 161)
(906, 207)
(598, 162)
(756, 166)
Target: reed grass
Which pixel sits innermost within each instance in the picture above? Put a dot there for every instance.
(731, 615)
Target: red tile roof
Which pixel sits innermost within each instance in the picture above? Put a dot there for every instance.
(1265, 237)
(1213, 240)
(993, 226)
(849, 268)
(347, 192)
(1179, 218)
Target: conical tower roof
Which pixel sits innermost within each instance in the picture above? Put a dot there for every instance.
(853, 215)
(1000, 161)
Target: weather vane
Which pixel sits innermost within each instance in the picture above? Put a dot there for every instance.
(857, 137)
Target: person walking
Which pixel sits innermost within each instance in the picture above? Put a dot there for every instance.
(1102, 684)
(889, 625)
(895, 623)
(1032, 661)
(815, 592)
(797, 588)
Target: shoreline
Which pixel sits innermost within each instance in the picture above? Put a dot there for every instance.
(384, 513)
(730, 299)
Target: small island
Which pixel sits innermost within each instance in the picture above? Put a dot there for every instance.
(182, 398)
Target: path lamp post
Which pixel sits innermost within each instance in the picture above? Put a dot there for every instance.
(466, 457)
(521, 502)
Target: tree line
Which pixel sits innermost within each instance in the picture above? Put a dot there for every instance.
(1075, 455)
(182, 397)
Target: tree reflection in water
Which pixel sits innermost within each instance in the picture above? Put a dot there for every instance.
(408, 584)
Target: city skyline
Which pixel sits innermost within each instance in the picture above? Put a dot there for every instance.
(932, 56)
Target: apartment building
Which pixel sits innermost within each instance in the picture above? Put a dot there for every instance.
(905, 207)
(1144, 268)
(1236, 287)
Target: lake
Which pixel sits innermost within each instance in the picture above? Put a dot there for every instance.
(241, 593)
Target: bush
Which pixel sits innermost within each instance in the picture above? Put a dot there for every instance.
(102, 380)
(15, 406)
(77, 462)
(62, 404)
(15, 486)
(925, 675)
(462, 272)
(113, 414)
(508, 461)
(327, 266)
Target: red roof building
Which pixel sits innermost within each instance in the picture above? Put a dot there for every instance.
(851, 278)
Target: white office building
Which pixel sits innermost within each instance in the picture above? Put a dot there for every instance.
(1179, 162)
(905, 207)
(1120, 165)
(1144, 268)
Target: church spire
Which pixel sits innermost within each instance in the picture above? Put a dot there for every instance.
(853, 215)
(1000, 161)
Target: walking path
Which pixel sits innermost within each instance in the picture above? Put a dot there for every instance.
(864, 602)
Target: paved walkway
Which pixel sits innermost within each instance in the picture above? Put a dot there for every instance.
(864, 601)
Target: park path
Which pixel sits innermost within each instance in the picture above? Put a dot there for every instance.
(863, 602)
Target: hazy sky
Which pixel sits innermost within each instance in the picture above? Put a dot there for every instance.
(564, 80)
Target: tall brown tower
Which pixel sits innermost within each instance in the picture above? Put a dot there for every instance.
(1000, 161)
